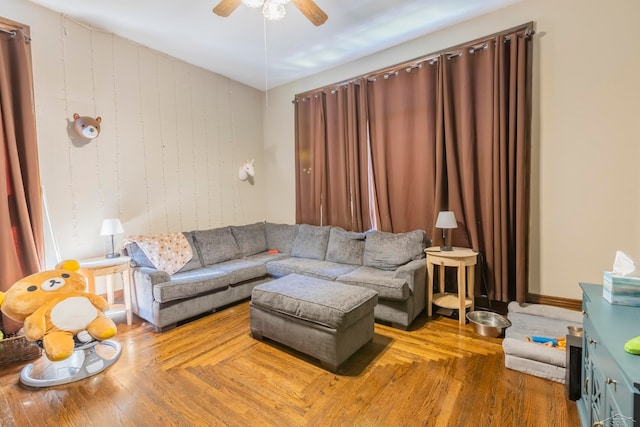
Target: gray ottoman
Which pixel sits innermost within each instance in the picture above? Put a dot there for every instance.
(326, 320)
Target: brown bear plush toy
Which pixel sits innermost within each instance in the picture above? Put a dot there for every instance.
(54, 308)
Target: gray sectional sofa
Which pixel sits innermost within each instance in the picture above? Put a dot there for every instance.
(228, 262)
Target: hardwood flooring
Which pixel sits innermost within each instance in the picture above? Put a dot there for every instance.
(211, 372)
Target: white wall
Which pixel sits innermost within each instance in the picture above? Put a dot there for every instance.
(173, 136)
(585, 201)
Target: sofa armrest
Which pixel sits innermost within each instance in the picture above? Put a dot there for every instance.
(154, 276)
(409, 271)
(142, 301)
(415, 273)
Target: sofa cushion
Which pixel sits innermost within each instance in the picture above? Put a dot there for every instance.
(346, 247)
(265, 257)
(334, 305)
(191, 283)
(309, 267)
(240, 270)
(251, 239)
(383, 282)
(388, 251)
(216, 245)
(311, 241)
(280, 237)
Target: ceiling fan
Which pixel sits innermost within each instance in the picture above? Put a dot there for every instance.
(274, 9)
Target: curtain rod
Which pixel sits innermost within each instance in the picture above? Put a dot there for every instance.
(13, 34)
(430, 57)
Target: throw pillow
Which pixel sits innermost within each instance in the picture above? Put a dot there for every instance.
(251, 238)
(345, 247)
(216, 245)
(281, 236)
(311, 242)
(388, 251)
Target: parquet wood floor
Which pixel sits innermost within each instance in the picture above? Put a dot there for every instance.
(211, 372)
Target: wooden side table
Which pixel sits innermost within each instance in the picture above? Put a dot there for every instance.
(465, 260)
(101, 266)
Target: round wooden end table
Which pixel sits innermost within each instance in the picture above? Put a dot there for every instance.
(464, 259)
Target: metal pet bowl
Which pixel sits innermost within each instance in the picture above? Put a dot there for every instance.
(488, 324)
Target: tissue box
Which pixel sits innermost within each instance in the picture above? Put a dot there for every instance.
(621, 290)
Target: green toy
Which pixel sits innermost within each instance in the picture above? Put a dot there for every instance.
(633, 346)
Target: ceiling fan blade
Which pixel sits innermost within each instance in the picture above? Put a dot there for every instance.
(311, 11)
(225, 7)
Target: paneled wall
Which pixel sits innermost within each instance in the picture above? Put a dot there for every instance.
(173, 137)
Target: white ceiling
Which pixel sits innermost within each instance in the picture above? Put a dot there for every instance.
(240, 45)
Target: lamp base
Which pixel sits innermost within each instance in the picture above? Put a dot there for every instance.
(112, 255)
(446, 248)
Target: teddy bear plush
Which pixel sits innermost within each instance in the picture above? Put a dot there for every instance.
(55, 309)
(86, 127)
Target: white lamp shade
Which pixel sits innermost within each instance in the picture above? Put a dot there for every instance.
(446, 219)
(111, 226)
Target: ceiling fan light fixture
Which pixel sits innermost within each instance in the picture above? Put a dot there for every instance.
(273, 11)
(253, 3)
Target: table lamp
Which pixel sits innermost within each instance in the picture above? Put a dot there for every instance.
(446, 220)
(111, 227)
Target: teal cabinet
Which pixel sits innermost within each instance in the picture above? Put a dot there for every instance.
(610, 376)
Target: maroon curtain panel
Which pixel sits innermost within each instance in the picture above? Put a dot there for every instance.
(21, 229)
(331, 158)
(309, 158)
(358, 149)
(487, 144)
(405, 157)
(335, 202)
(346, 201)
(519, 142)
